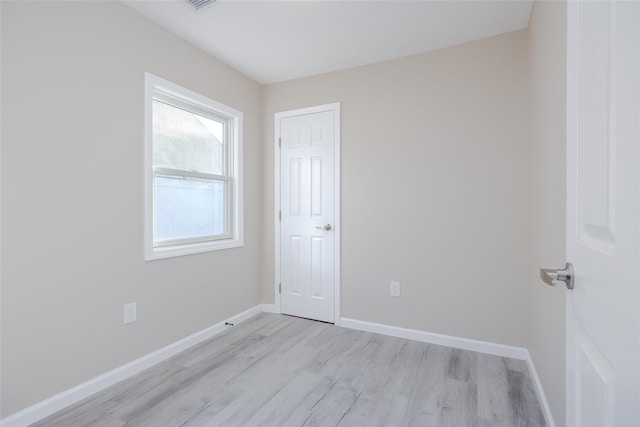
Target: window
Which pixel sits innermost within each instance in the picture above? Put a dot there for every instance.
(193, 162)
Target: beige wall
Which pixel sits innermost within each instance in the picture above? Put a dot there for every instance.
(547, 29)
(435, 178)
(72, 146)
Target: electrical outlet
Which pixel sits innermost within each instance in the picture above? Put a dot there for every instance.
(130, 314)
(394, 289)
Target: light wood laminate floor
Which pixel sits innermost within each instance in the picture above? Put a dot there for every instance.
(276, 370)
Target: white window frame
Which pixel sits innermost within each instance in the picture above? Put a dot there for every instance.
(164, 90)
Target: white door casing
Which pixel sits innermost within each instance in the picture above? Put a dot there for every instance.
(603, 215)
(307, 212)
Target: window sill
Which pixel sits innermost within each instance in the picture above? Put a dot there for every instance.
(162, 252)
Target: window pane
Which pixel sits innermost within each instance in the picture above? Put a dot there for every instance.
(187, 141)
(189, 208)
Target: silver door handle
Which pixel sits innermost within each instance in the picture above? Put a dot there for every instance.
(556, 277)
(325, 227)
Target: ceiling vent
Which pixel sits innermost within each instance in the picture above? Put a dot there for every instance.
(199, 4)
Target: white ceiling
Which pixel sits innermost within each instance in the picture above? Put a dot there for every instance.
(273, 41)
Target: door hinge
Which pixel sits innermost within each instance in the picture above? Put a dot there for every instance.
(279, 288)
(279, 215)
(279, 142)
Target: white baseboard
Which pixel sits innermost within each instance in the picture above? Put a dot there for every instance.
(463, 344)
(60, 401)
(269, 308)
(542, 398)
(439, 339)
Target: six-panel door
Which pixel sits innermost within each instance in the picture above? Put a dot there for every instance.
(307, 206)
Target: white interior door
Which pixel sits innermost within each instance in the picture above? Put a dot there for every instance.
(308, 202)
(603, 236)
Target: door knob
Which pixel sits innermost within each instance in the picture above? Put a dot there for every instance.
(325, 227)
(555, 277)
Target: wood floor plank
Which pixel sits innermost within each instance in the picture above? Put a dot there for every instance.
(203, 419)
(186, 405)
(493, 391)
(211, 349)
(270, 381)
(431, 377)
(456, 404)
(398, 382)
(106, 400)
(284, 403)
(282, 371)
(333, 406)
(462, 366)
(93, 418)
(516, 365)
(304, 409)
(182, 378)
(375, 402)
(522, 398)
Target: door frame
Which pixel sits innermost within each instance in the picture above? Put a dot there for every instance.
(335, 107)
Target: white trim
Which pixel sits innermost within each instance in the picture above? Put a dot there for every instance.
(153, 84)
(513, 352)
(542, 398)
(276, 208)
(335, 107)
(269, 308)
(68, 397)
(439, 339)
(337, 295)
(1, 151)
